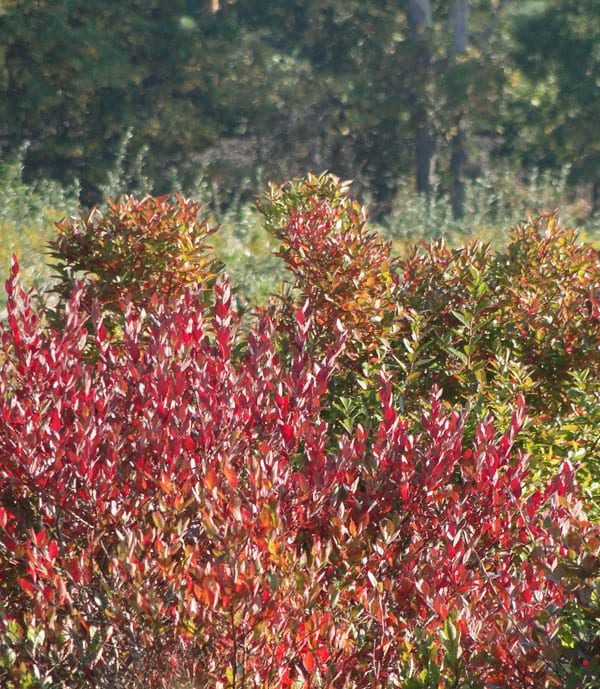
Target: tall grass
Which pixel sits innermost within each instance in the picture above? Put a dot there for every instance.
(27, 216)
(493, 204)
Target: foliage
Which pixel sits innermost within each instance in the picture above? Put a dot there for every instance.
(140, 249)
(255, 92)
(76, 75)
(556, 51)
(171, 514)
(482, 324)
(537, 299)
(284, 500)
(337, 265)
(487, 326)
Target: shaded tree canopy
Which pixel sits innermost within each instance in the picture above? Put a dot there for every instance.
(434, 89)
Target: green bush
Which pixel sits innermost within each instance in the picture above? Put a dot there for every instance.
(27, 216)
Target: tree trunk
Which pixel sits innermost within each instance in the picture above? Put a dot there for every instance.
(425, 147)
(460, 13)
(459, 156)
(458, 165)
(595, 196)
(419, 14)
(419, 19)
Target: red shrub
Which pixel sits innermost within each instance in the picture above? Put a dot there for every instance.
(167, 514)
(342, 269)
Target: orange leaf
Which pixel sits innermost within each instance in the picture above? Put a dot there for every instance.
(26, 585)
(230, 475)
(308, 661)
(210, 478)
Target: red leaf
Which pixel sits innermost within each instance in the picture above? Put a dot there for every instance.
(53, 549)
(26, 585)
(323, 654)
(287, 431)
(41, 538)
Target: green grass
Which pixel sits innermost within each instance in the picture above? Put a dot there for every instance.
(246, 250)
(493, 205)
(27, 216)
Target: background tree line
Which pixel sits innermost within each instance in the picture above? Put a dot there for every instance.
(246, 91)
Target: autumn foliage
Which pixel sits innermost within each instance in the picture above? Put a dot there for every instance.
(181, 508)
(337, 265)
(137, 249)
(537, 299)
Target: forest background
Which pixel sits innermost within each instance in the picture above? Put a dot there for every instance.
(443, 90)
(447, 114)
(455, 119)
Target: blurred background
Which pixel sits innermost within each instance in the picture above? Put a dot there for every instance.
(453, 117)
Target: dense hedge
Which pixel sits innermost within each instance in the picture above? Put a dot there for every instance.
(336, 495)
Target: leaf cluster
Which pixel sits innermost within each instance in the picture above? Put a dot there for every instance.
(137, 249)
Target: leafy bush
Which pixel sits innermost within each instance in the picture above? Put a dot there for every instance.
(172, 514)
(186, 499)
(140, 249)
(338, 266)
(538, 299)
(483, 325)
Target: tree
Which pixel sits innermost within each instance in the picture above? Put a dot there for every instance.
(420, 19)
(557, 105)
(244, 91)
(458, 156)
(77, 75)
